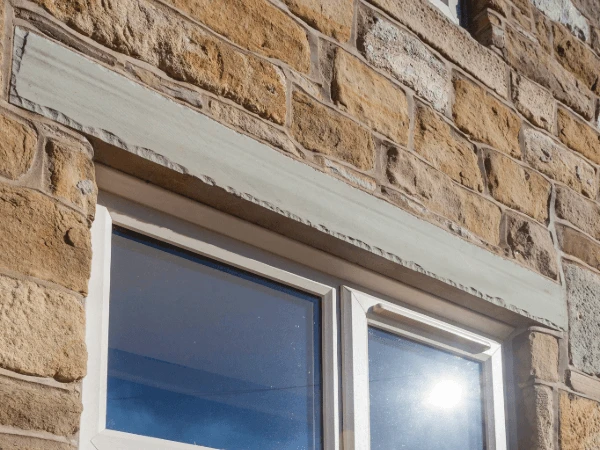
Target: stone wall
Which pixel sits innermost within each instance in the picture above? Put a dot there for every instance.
(492, 134)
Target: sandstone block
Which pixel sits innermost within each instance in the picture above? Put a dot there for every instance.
(17, 146)
(180, 48)
(544, 154)
(437, 142)
(534, 102)
(258, 25)
(579, 423)
(535, 422)
(42, 331)
(596, 40)
(404, 57)
(517, 187)
(439, 194)
(530, 60)
(16, 442)
(583, 291)
(370, 97)
(536, 357)
(579, 136)
(590, 9)
(478, 6)
(31, 406)
(487, 120)
(331, 17)
(531, 244)
(325, 131)
(577, 244)
(452, 41)
(41, 238)
(543, 30)
(581, 212)
(564, 11)
(354, 177)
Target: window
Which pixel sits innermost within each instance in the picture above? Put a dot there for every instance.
(453, 9)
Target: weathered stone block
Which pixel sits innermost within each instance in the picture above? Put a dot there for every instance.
(542, 30)
(370, 97)
(325, 131)
(579, 136)
(534, 102)
(486, 119)
(590, 9)
(583, 298)
(17, 146)
(544, 154)
(577, 244)
(254, 24)
(535, 357)
(16, 442)
(579, 423)
(531, 244)
(42, 331)
(517, 187)
(331, 17)
(41, 238)
(535, 423)
(406, 58)
(596, 40)
(453, 42)
(31, 406)
(438, 193)
(181, 49)
(581, 212)
(437, 142)
(564, 11)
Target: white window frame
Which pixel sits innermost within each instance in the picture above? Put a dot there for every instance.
(359, 311)
(451, 10)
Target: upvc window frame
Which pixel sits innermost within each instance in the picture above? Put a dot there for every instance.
(359, 311)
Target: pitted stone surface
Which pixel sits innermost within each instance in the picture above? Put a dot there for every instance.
(534, 102)
(536, 418)
(579, 423)
(536, 357)
(17, 146)
(332, 17)
(564, 11)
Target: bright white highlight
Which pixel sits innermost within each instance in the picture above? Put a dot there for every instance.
(446, 394)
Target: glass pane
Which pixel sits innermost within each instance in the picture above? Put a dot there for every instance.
(206, 354)
(422, 398)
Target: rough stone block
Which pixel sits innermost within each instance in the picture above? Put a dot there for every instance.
(590, 9)
(534, 102)
(180, 48)
(370, 97)
(543, 30)
(596, 40)
(42, 331)
(531, 244)
(577, 244)
(17, 146)
(579, 135)
(517, 187)
(452, 41)
(437, 142)
(535, 357)
(325, 131)
(564, 11)
(438, 193)
(552, 159)
(583, 298)
(254, 24)
(581, 212)
(41, 238)
(535, 422)
(406, 58)
(16, 442)
(579, 423)
(31, 406)
(331, 17)
(486, 119)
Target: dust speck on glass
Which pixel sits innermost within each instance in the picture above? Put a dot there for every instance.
(205, 354)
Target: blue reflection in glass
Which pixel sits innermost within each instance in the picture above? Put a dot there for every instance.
(206, 354)
(422, 398)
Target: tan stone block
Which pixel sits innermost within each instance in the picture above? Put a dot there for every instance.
(542, 30)
(531, 244)
(183, 50)
(442, 196)
(576, 57)
(596, 40)
(579, 423)
(477, 6)
(534, 102)
(520, 19)
(17, 146)
(579, 136)
(517, 187)
(41, 238)
(535, 422)
(535, 357)
(32, 406)
(452, 41)
(325, 131)
(437, 142)
(486, 119)
(577, 244)
(530, 60)
(331, 17)
(42, 331)
(544, 154)
(590, 9)
(254, 24)
(16, 442)
(581, 212)
(370, 97)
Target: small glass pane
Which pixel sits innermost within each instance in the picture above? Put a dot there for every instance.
(205, 354)
(422, 398)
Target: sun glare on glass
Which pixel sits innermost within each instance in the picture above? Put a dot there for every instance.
(447, 394)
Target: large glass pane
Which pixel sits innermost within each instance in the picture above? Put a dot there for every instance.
(422, 398)
(206, 354)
